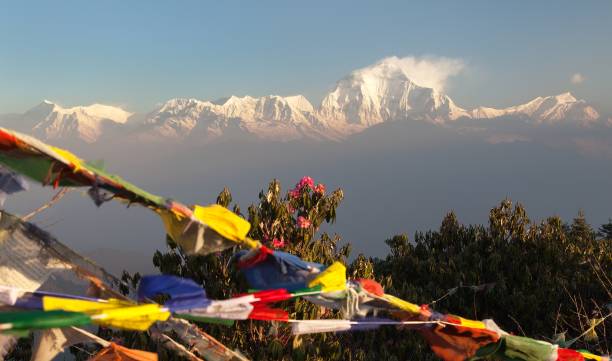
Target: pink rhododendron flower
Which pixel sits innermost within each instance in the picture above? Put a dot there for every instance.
(320, 189)
(303, 222)
(305, 182)
(278, 243)
(294, 193)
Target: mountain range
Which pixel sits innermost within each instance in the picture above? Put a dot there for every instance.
(373, 95)
(403, 154)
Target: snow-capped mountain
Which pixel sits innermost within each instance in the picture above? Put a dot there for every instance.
(551, 109)
(383, 92)
(271, 116)
(51, 121)
(380, 93)
(369, 96)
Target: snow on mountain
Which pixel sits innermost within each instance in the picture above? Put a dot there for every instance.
(52, 121)
(272, 116)
(383, 92)
(547, 110)
(177, 117)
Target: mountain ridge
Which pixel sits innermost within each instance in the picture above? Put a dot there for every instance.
(369, 96)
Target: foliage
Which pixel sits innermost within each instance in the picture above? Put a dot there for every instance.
(546, 280)
(534, 279)
(289, 222)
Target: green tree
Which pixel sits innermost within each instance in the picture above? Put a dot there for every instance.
(605, 230)
(536, 279)
(547, 280)
(533, 279)
(289, 221)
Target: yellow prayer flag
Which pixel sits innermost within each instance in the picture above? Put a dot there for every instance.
(75, 305)
(212, 229)
(402, 305)
(138, 318)
(174, 223)
(590, 356)
(472, 323)
(225, 222)
(332, 279)
(251, 243)
(69, 156)
(114, 313)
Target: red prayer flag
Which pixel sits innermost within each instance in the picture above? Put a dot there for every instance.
(565, 354)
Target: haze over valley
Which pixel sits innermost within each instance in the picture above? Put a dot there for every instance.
(402, 150)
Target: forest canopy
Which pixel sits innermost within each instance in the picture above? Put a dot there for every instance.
(547, 280)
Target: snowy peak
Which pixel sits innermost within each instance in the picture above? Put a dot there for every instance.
(293, 109)
(269, 116)
(39, 112)
(300, 103)
(101, 111)
(384, 92)
(387, 91)
(566, 97)
(391, 90)
(52, 121)
(548, 110)
(177, 117)
(558, 108)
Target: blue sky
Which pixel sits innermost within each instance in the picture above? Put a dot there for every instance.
(139, 53)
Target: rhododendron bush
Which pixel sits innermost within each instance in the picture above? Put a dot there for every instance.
(541, 279)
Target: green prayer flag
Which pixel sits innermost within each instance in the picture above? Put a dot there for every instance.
(526, 349)
(30, 320)
(216, 321)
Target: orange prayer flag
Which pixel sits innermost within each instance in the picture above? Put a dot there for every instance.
(116, 352)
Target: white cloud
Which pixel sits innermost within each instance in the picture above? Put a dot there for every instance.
(577, 78)
(427, 71)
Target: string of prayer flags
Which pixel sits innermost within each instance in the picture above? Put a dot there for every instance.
(108, 313)
(30, 257)
(452, 338)
(50, 165)
(48, 259)
(189, 300)
(196, 229)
